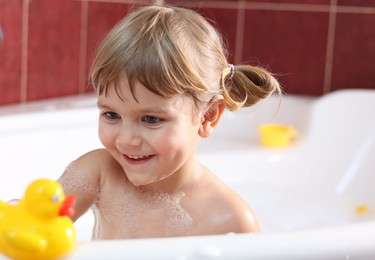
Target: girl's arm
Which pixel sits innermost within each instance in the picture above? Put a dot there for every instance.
(82, 179)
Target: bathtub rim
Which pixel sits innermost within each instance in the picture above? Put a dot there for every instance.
(346, 242)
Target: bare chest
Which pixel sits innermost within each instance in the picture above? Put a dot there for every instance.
(140, 214)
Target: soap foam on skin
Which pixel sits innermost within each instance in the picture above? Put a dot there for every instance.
(195, 113)
(138, 213)
(131, 213)
(72, 180)
(178, 103)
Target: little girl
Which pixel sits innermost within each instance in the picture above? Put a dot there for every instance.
(162, 81)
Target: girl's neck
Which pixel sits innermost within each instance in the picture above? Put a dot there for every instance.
(180, 181)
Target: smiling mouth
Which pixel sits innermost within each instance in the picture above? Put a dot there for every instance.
(137, 158)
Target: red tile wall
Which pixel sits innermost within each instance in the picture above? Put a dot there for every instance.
(10, 51)
(313, 46)
(287, 43)
(101, 18)
(354, 51)
(53, 48)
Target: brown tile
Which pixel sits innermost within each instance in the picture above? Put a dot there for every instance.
(101, 18)
(291, 44)
(10, 51)
(354, 52)
(225, 20)
(53, 54)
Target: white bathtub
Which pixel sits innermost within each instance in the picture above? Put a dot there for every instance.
(314, 199)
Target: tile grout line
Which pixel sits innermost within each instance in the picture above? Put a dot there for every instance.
(356, 9)
(238, 51)
(83, 47)
(24, 51)
(330, 48)
(287, 7)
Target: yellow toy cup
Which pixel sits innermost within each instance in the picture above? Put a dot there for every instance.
(275, 135)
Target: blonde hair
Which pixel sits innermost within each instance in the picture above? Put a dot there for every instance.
(172, 50)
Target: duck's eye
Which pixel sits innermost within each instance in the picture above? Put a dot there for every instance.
(55, 198)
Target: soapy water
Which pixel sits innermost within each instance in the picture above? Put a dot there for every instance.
(135, 213)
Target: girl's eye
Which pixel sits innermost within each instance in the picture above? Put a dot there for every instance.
(111, 115)
(151, 120)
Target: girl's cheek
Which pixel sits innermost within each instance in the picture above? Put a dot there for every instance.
(165, 140)
(105, 136)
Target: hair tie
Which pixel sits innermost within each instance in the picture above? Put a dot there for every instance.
(231, 66)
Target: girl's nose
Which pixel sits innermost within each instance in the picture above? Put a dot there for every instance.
(129, 136)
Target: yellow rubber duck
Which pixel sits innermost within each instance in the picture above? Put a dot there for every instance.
(38, 227)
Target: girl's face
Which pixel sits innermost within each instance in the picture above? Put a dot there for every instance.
(151, 137)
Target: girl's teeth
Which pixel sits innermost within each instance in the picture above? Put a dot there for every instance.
(135, 157)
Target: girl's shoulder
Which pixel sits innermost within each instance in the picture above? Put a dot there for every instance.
(236, 215)
(100, 164)
(94, 161)
(85, 178)
(88, 169)
(94, 155)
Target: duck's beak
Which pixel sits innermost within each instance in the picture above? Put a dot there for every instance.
(67, 206)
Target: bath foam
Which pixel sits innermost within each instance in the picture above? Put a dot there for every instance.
(131, 210)
(139, 212)
(71, 181)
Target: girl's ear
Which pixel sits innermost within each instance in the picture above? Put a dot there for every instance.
(212, 116)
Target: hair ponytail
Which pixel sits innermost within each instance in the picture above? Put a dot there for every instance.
(245, 85)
